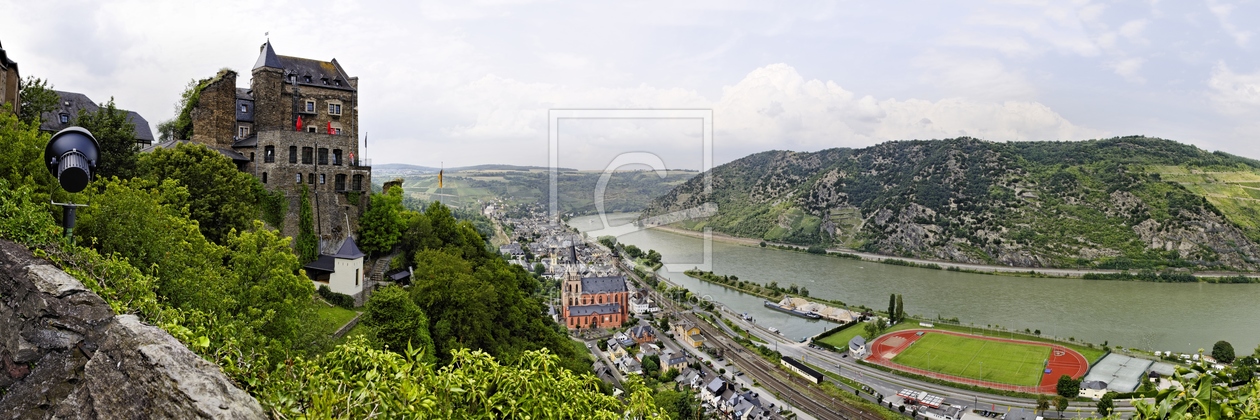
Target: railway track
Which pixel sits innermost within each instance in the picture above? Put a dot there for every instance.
(795, 390)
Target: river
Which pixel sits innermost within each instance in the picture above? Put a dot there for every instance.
(1154, 316)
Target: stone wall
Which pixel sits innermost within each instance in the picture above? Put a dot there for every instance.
(64, 354)
(272, 111)
(214, 117)
(336, 210)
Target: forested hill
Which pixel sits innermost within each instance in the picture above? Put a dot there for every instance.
(1127, 203)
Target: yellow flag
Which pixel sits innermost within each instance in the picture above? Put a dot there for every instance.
(440, 178)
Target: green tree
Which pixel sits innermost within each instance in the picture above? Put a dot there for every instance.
(22, 163)
(382, 225)
(1060, 404)
(398, 323)
(892, 307)
(268, 286)
(37, 98)
(651, 366)
(221, 198)
(901, 310)
(307, 243)
(1068, 387)
(762, 244)
(117, 137)
(539, 269)
(1105, 404)
(1043, 403)
(1223, 352)
(875, 328)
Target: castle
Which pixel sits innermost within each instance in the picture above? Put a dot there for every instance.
(296, 126)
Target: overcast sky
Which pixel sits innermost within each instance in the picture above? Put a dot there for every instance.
(470, 82)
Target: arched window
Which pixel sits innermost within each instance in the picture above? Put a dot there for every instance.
(269, 154)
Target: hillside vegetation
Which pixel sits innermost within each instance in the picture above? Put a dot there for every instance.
(1123, 203)
(626, 191)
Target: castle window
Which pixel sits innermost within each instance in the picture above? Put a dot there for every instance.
(310, 129)
(242, 131)
(292, 154)
(337, 82)
(321, 179)
(244, 108)
(339, 182)
(325, 80)
(334, 109)
(310, 107)
(323, 156)
(269, 154)
(310, 179)
(65, 118)
(292, 77)
(308, 155)
(357, 183)
(337, 156)
(251, 156)
(337, 130)
(264, 177)
(307, 79)
(299, 177)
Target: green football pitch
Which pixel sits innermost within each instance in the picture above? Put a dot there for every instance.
(977, 358)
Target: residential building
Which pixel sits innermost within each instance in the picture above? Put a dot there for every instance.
(296, 127)
(688, 333)
(9, 79)
(72, 104)
(342, 271)
(857, 347)
(642, 334)
(675, 361)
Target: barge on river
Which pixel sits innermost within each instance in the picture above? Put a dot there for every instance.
(793, 311)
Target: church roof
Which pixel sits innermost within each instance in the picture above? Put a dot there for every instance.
(349, 250)
(604, 309)
(603, 284)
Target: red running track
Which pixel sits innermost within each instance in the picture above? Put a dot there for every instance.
(1063, 361)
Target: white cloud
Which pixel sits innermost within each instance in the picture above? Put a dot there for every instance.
(1222, 12)
(1235, 93)
(1129, 68)
(971, 77)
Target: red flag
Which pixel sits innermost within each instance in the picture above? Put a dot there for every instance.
(330, 129)
(298, 127)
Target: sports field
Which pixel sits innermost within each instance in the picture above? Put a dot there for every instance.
(976, 358)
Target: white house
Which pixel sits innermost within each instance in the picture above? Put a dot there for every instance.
(342, 272)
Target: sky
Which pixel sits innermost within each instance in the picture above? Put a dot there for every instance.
(470, 82)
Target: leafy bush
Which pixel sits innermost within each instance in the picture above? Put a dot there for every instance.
(342, 300)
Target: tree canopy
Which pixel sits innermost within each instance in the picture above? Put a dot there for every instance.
(221, 198)
(117, 137)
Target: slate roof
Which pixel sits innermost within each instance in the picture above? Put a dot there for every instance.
(348, 251)
(4, 59)
(856, 342)
(715, 386)
(248, 142)
(74, 103)
(170, 144)
(327, 74)
(605, 309)
(806, 369)
(639, 331)
(324, 263)
(603, 284)
(245, 98)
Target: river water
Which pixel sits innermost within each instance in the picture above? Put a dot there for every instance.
(1153, 316)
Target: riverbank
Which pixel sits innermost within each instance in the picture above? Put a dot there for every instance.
(953, 266)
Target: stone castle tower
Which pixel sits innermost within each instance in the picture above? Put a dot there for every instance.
(259, 127)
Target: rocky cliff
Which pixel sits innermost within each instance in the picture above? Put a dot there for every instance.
(65, 354)
(1102, 203)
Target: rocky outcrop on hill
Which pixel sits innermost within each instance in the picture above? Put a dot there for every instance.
(1088, 204)
(64, 354)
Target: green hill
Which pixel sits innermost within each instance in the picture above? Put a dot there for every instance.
(1125, 203)
(626, 191)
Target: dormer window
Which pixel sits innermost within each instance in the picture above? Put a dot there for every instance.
(337, 82)
(65, 118)
(307, 79)
(325, 80)
(292, 77)
(244, 108)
